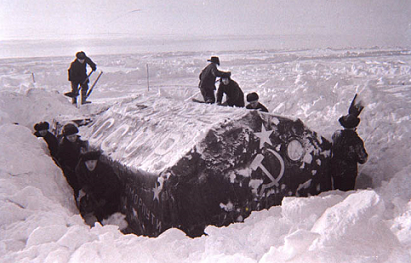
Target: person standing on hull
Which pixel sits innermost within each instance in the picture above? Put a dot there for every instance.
(233, 92)
(347, 151)
(100, 188)
(77, 75)
(42, 130)
(68, 155)
(253, 104)
(208, 78)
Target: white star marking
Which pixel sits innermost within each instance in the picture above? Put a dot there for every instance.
(264, 136)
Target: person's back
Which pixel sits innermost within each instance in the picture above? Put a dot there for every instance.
(207, 79)
(235, 96)
(347, 151)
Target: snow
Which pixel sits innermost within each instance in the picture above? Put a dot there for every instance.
(38, 218)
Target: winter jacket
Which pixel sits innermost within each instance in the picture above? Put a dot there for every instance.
(51, 141)
(208, 77)
(68, 157)
(347, 150)
(102, 188)
(235, 96)
(259, 107)
(77, 72)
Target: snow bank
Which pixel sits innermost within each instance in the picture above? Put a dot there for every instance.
(39, 222)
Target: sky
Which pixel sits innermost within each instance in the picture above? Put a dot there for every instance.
(382, 20)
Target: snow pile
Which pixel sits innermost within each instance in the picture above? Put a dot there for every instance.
(39, 223)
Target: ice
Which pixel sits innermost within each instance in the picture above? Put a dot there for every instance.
(39, 221)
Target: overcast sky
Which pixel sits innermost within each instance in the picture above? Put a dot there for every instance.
(62, 19)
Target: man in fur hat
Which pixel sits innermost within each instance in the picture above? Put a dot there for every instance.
(233, 92)
(253, 104)
(347, 151)
(42, 130)
(77, 75)
(69, 154)
(208, 78)
(100, 188)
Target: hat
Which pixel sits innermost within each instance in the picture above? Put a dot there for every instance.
(215, 60)
(252, 97)
(81, 55)
(349, 121)
(226, 75)
(91, 155)
(70, 129)
(41, 126)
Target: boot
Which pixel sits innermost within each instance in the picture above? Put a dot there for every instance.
(84, 100)
(74, 100)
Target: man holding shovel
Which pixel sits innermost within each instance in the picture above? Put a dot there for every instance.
(77, 75)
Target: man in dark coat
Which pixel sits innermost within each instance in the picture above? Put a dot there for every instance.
(77, 74)
(100, 187)
(233, 92)
(42, 130)
(69, 154)
(207, 79)
(347, 150)
(253, 104)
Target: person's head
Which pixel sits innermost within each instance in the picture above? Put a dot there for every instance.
(81, 56)
(70, 132)
(225, 78)
(252, 98)
(90, 159)
(215, 60)
(42, 128)
(349, 121)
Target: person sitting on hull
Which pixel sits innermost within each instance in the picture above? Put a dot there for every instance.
(42, 130)
(233, 92)
(347, 151)
(253, 104)
(68, 155)
(208, 78)
(77, 75)
(100, 188)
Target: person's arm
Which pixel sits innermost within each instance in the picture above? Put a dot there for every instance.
(263, 108)
(216, 72)
(91, 64)
(236, 91)
(220, 93)
(362, 155)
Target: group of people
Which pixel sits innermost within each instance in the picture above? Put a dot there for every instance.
(97, 188)
(227, 86)
(95, 185)
(347, 147)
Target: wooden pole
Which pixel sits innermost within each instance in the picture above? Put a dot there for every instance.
(148, 79)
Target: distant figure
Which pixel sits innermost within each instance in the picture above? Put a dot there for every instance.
(208, 78)
(233, 92)
(42, 130)
(253, 104)
(100, 188)
(77, 74)
(347, 150)
(69, 154)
